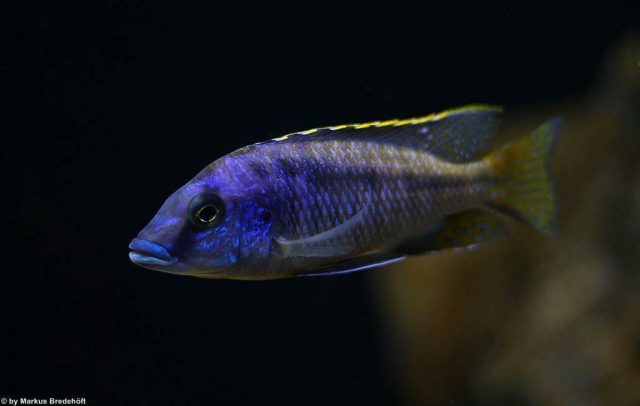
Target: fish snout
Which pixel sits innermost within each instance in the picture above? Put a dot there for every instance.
(148, 253)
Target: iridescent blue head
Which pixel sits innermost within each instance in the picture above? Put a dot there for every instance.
(216, 226)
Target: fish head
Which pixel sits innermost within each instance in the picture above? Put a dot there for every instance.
(216, 226)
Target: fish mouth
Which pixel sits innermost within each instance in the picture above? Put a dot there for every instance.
(150, 254)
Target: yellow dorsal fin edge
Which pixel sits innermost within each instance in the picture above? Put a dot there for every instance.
(400, 122)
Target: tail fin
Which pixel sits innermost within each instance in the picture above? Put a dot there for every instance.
(522, 170)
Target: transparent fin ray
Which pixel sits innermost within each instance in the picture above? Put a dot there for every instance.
(323, 244)
(463, 230)
(354, 265)
(522, 170)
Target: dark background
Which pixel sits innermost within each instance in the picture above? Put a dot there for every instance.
(113, 107)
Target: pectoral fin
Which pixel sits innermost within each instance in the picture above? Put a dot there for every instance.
(464, 230)
(324, 244)
(354, 264)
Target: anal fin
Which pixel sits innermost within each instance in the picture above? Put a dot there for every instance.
(466, 230)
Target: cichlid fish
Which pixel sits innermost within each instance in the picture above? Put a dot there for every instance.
(351, 197)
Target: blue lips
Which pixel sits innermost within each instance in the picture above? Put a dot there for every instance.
(145, 253)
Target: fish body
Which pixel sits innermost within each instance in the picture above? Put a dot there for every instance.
(351, 197)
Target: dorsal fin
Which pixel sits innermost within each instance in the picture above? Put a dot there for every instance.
(456, 135)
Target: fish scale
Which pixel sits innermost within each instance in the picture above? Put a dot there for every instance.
(350, 197)
(328, 185)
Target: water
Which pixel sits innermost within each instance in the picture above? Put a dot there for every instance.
(129, 102)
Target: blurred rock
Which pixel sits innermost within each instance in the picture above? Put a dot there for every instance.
(536, 320)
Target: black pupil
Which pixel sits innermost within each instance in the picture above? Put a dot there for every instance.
(208, 213)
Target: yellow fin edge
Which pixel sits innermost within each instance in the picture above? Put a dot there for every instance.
(400, 122)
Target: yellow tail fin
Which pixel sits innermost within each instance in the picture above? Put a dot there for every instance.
(524, 185)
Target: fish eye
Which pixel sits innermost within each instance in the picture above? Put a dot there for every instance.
(205, 211)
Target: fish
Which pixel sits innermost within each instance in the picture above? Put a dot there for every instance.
(352, 197)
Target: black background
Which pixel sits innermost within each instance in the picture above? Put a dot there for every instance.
(113, 107)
